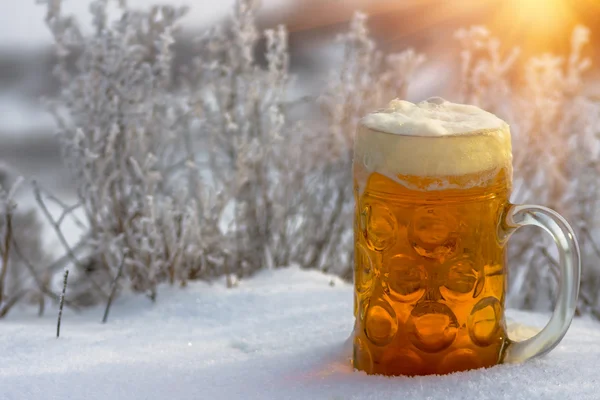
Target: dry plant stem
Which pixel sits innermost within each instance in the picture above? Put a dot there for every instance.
(113, 290)
(5, 252)
(16, 225)
(63, 260)
(67, 210)
(62, 302)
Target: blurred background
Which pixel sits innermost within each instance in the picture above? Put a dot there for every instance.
(26, 56)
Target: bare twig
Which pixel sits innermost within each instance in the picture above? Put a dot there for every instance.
(55, 226)
(113, 290)
(62, 302)
(67, 210)
(8, 232)
(62, 261)
(592, 242)
(42, 288)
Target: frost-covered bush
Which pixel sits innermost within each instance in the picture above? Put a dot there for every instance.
(556, 144)
(242, 124)
(209, 173)
(288, 180)
(126, 137)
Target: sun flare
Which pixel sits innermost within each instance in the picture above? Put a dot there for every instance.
(535, 25)
(539, 14)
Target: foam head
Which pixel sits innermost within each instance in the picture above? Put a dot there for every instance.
(434, 138)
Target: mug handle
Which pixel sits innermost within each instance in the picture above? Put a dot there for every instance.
(548, 338)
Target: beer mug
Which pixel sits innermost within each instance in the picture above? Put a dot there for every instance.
(432, 184)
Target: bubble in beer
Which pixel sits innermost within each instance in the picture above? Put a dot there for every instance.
(364, 269)
(462, 279)
(484, 321)
(436, 100)
(432, 233)
(459, 360)
(381, 323)
(381, 226)
(406, 278)
(432, 326)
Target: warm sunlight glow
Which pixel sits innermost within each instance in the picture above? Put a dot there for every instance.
(539, 14)
(534, 25)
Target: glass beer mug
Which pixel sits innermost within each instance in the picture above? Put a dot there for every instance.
(432, 185)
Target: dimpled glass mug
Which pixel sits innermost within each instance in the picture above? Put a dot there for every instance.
(432, 185)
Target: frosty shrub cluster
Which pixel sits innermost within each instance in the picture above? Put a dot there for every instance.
(556, 149)
(212, 171)
(208, 170)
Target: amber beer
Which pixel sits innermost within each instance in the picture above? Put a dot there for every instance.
(432, 185)
(429, 266)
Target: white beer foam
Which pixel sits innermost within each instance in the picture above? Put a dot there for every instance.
(432, 117)
(434, 138)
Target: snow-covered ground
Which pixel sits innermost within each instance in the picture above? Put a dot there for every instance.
(279, 335)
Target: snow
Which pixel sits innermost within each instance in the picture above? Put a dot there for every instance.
(279, 335)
